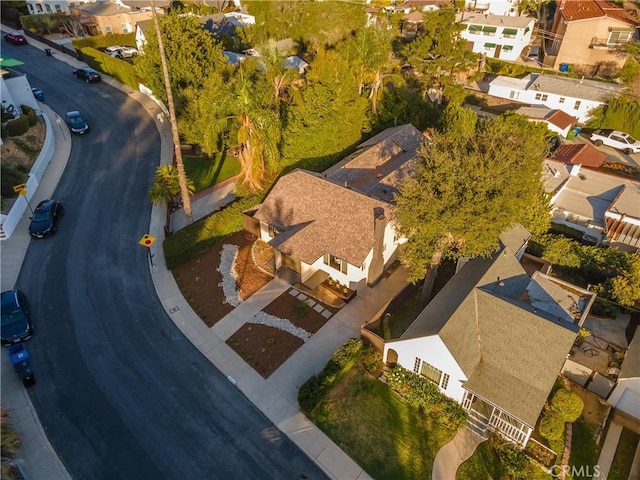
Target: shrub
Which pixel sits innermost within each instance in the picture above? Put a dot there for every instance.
(18, 126)
(552, 426)
(301, 308)
(424, 395)
(567, 405)
(371, 360)
(30, 113)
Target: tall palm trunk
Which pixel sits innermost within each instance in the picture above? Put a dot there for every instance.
(184, 191)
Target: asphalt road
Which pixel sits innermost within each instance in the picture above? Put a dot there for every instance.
(120, 392)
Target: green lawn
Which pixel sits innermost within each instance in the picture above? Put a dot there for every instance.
(621, 466)
(206, 171)
(386, 437)
(584, 451)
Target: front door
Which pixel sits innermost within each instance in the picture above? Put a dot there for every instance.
(496, 53)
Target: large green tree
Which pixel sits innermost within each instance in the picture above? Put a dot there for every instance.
(467, 190)
(326, 116)
(191, 54)
(438, 53)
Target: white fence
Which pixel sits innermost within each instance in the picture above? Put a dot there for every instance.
(9, 222)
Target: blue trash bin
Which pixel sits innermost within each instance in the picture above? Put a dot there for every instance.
(564, 67)
(576, 131)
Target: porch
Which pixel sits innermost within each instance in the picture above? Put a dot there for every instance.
(485, 417)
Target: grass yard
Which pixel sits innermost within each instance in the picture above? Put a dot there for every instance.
(584, 451)
(386, 437)
(205, 171)
(622, 460)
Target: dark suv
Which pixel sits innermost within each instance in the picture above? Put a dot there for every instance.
(87, 74)
(16, 324)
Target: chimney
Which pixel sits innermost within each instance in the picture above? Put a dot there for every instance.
(376, 267)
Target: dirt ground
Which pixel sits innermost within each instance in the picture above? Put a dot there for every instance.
(265, 348)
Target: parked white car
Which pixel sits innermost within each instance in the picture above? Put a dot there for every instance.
(616, 139)
(120, 51)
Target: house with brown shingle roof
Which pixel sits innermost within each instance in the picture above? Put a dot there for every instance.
(588, 34)
(579, 154)
(495, 339)
(338, 224)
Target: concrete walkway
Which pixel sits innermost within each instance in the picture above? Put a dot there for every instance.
(609, 448)
(454, 453)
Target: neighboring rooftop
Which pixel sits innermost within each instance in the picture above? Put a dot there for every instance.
(494, 20)
(575, 10)
(579, 154)
(380, 164)
(572, 87)
(556, 117)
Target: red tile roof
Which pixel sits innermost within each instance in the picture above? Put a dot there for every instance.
(561, 119)
(573, 10)
(582, 154)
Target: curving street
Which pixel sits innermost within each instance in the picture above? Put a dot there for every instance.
(121, 393)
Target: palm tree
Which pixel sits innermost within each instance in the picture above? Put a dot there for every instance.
(182, 178)
(166, 185)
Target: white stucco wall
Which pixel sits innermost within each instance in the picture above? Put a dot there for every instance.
(433, 351)
(626, 396)
(516, 91)
(517, 44)
(495, 7)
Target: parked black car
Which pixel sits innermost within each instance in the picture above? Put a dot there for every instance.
(16, 323)
(87, 74)
(46, 216)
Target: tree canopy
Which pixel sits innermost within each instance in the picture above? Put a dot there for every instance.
(466, 191)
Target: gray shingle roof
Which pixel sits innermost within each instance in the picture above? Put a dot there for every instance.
(317, 216)
(509, 333)
(571, 87)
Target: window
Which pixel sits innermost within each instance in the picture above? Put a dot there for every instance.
(526, 30)
(489, 31)
(507, 48)
(99, 28)
(509, 33)
(108, 29)
(125, 28)
(38, 8)
(30, 7)
(273, 231)
(512, 94)
(431, 373)
(416, 366)
(561, 100)
(475, 29)
(58, 8)
(617, 37)
(577, 105)
(445, 381)
(489, 46)
(542, 96)
(47, 7)
(335, 262)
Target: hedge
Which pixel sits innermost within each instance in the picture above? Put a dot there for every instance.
(30, 113)
(18, 126)
(121, 70)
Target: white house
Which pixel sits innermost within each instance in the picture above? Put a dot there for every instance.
(338, 224)
(495, 339)
(625, 397)
(494, 7)
(497, 36)
(38, 7)
(603, 206)
(573, 96)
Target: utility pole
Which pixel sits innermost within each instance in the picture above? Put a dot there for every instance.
(182, 178)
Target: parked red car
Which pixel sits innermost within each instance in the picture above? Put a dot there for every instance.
(15, 38)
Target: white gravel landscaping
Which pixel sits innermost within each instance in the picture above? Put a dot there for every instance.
(262, 318)
(227, 269)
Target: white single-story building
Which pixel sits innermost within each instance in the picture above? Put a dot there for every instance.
(573, 96)
(556, 120)
(495, 339)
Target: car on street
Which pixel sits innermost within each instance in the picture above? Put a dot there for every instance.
(16, 323)
(77, 123)
(616, 139)
(15, 38)
(120, 51)
(87, 74)
(39, 94)
(46, 216)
